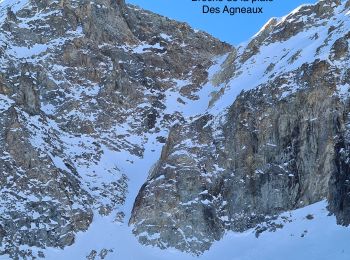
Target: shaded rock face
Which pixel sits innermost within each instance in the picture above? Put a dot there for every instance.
(40, 204)
(270, 155)
(339, 182)
(279, 144)
(85, 86)
(77, 80)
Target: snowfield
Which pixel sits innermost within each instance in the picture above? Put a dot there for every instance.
(307, 233)
(302, 238)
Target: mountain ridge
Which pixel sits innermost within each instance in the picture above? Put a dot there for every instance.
(270, 142)
(81, 100)
(90, 91)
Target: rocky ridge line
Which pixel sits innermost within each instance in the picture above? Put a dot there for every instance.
(274, 139)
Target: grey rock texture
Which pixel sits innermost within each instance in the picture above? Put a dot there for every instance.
(86, 86)
(80, 81)
(279, 144)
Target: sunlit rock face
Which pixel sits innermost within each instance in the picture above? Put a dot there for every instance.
(89, 89)
(83, 85)
(275, 137)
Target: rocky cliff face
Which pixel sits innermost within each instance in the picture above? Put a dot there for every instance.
(91, 90)
(275, 137)
(84, 85)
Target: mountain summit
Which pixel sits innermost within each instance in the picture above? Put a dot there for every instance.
(275, 137)
(84, 88)
(102, 102)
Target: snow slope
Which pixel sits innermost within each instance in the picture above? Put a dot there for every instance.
(286, 55)
(319, 238)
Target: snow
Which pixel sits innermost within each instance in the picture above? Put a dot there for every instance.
(15, 6)
(286, 56)
(264, 27)
(5, 103)
(142, 47)
(343, 90)
(322, 240)
(191, 108)
(166, 37)
(36, 52)
(27, 52)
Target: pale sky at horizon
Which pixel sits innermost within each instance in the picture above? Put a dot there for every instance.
(233, 29)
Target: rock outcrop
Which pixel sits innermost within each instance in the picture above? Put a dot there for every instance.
(90, 90)
(274, 139)
(83, 84)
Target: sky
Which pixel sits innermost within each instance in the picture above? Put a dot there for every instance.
(233, 29)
